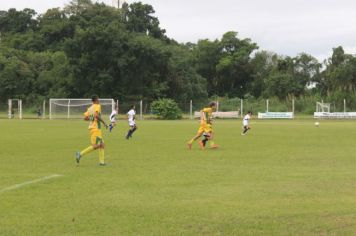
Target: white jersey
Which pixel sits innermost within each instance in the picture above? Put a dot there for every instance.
(131, 114)
(246, 119)
(113, 116)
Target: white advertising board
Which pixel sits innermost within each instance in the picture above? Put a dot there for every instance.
(276, 115)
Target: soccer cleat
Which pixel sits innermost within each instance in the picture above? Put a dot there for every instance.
(201, 144)
(77, 157)
(102, 164)
(214, 146)
(189, 146)
(110, 128)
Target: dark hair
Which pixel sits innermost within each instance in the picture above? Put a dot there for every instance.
(132, 106)
(94, 98)
(212, 104)
(249, 112)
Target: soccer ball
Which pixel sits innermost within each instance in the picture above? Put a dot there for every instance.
(316, 124)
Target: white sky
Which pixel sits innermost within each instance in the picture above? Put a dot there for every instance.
(287, 27)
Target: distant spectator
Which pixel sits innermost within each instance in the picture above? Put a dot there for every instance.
(39, 113)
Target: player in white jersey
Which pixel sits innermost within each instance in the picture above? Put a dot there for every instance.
(131, 118)
(113, 118)
(245, 122)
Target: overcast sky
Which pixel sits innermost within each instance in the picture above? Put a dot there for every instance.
(287, 27)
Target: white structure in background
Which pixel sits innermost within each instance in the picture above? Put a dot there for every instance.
(323, 107)
(239, 112)
(17, 108)
(323, 112)
(217, 113)
(311, 85)
(276, 115)
(72, 108)
(220, 114)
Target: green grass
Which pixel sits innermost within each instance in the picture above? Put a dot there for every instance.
(283, 178)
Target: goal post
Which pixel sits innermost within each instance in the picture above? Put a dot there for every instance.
(14, 108)
(44, 109)
(322, 107)
(73, 108)
(323, 112)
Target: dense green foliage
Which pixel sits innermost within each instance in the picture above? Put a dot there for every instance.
(166, 109)
(283, 178)
(89, 48)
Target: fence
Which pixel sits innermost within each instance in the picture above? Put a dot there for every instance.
(305, 106)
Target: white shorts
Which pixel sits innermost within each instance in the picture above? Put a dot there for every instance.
(132, 123)
(245, 123)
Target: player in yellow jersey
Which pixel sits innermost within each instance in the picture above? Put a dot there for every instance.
(206, 115)
(93, 115)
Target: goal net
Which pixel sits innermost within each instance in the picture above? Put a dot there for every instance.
(74, 108)
(323, 107)
(323, 112)
(14, 108)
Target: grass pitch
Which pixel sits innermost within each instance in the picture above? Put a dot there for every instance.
(283, 178)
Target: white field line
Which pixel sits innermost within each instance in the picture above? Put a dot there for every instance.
(17, 186)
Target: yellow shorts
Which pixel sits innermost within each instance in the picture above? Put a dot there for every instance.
(96, 137)
(205, 128)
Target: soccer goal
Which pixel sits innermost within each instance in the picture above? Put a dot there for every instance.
(323, 112)
(14, 108)
(322, 107)
(74, 108)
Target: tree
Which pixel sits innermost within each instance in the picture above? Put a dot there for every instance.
(340, 73)
(207, 55)
(263, 63)
(77, 7)
(234, 69)
(306, 71)
(146, 67)
(55, 27)
(225, 64)
(166, 109)
(184, 82)
(138, 18)
(16, 77)
(14, 21)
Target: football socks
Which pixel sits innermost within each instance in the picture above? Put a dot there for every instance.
(101, 155)
(87, 150)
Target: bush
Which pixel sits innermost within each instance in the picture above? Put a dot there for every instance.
(166, 109)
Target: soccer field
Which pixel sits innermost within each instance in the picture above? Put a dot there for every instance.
(283, 178)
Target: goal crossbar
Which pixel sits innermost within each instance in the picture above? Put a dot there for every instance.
(72, 108)
(11, 108)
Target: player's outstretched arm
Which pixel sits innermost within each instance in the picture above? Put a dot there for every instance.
(202, 116)
(86, 116)
(101, 120)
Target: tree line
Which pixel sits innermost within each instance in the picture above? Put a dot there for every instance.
(88, 48)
